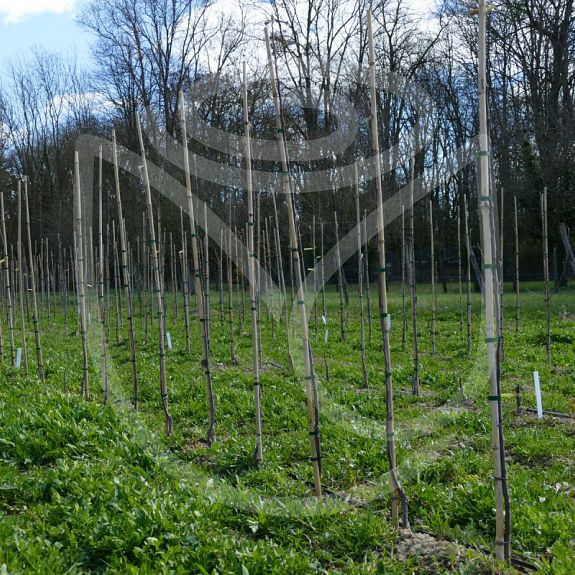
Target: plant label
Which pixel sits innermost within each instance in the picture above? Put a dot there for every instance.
(18, 358)
(169, 339)
(538, 395)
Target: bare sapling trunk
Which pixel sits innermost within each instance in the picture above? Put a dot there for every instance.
(200, 295)
(413, 284)
(221, 280)
(501, 270)
(433, 291)
(21, 286)
(404, 267)
(468, 273)
(360, 256)
(185, 280)
(397, 493)
(100, 268)
(230, 277)
(254, 287)
(168, 423)
(339, 280)
(309, 375)
(545, 234)
(367, 277)
(459, 269)
(41, 372)
(80, 275)
(126, 275)
(8, 283)
(517, 301)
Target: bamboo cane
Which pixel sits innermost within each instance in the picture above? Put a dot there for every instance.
(168, 423)
(126, 275)
(200, 296)
(502, 535)
(311, 390)
(254, 288)
(396, 489)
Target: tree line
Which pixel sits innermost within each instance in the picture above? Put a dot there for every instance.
(145, 52)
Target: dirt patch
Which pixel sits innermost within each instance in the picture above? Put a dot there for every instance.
(432, 555)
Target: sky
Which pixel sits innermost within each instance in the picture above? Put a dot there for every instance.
(46, 23)
(51, 25)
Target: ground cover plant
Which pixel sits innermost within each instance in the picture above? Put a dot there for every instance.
(91, 488)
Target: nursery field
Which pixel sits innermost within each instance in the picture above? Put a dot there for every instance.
(86, 488)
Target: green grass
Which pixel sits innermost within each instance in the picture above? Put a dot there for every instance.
(92, 489)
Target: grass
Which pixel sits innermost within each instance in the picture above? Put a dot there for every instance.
(92, 489)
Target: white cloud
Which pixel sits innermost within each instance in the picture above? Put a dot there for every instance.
(13, 12)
